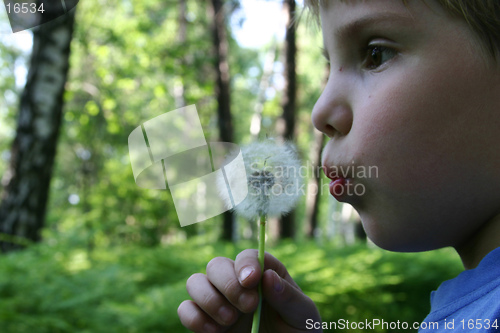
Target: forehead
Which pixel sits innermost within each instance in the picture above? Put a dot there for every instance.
(339, 13)
(373, 5)
(344, 18)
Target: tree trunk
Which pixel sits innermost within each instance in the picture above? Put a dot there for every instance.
(179, 88)
(286, 124)
(314, 186)
(313, 197)
(221, 48)
(256, 122)
(25, 196)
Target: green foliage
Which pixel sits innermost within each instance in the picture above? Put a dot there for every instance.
(115, 258)
(53, 288)
(360, 282)
(11, 57)
(127, 62)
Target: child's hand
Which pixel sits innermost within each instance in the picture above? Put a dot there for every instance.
(224, 299)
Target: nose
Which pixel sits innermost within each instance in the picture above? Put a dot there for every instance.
(332, 113)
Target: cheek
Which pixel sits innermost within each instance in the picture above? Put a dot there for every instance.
(412, 131)
(391, 135)
(430, 139)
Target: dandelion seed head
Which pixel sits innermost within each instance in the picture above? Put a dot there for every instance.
(273, 179)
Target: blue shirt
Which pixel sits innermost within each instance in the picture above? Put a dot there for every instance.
(468, 303)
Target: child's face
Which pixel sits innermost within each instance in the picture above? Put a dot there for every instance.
(411, 93)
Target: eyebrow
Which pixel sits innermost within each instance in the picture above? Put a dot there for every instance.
(354, 27)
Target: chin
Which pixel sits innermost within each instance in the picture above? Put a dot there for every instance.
(394, 245)
(396, 239)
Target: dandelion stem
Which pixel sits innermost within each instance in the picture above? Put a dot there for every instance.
(262, 246)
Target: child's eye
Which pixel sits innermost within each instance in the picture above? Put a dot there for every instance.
(377, 55)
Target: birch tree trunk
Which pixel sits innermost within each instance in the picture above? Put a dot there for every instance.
(27, 182)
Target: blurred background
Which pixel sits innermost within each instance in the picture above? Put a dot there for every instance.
(84, 249)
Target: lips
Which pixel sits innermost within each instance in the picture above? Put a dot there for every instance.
(337, 188)
(339, 182)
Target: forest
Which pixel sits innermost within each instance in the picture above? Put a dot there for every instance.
(85, 249)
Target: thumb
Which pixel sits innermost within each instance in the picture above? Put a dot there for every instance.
(293, 306)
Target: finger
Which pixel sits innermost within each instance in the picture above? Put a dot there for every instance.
(210, 300)
(247, 268)
(293, 306)
(221, 274)
(194, 319)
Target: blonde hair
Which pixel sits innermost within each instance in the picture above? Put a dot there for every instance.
(483, 16)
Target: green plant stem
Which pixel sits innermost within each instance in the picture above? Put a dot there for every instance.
(262, 247)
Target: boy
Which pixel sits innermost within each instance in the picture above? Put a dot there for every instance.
(414, 90)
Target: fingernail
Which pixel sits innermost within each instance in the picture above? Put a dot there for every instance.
(209, 328)
(245, 273)
(226, 314)
(278, 284)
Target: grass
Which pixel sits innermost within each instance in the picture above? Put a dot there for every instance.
(132, 289)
